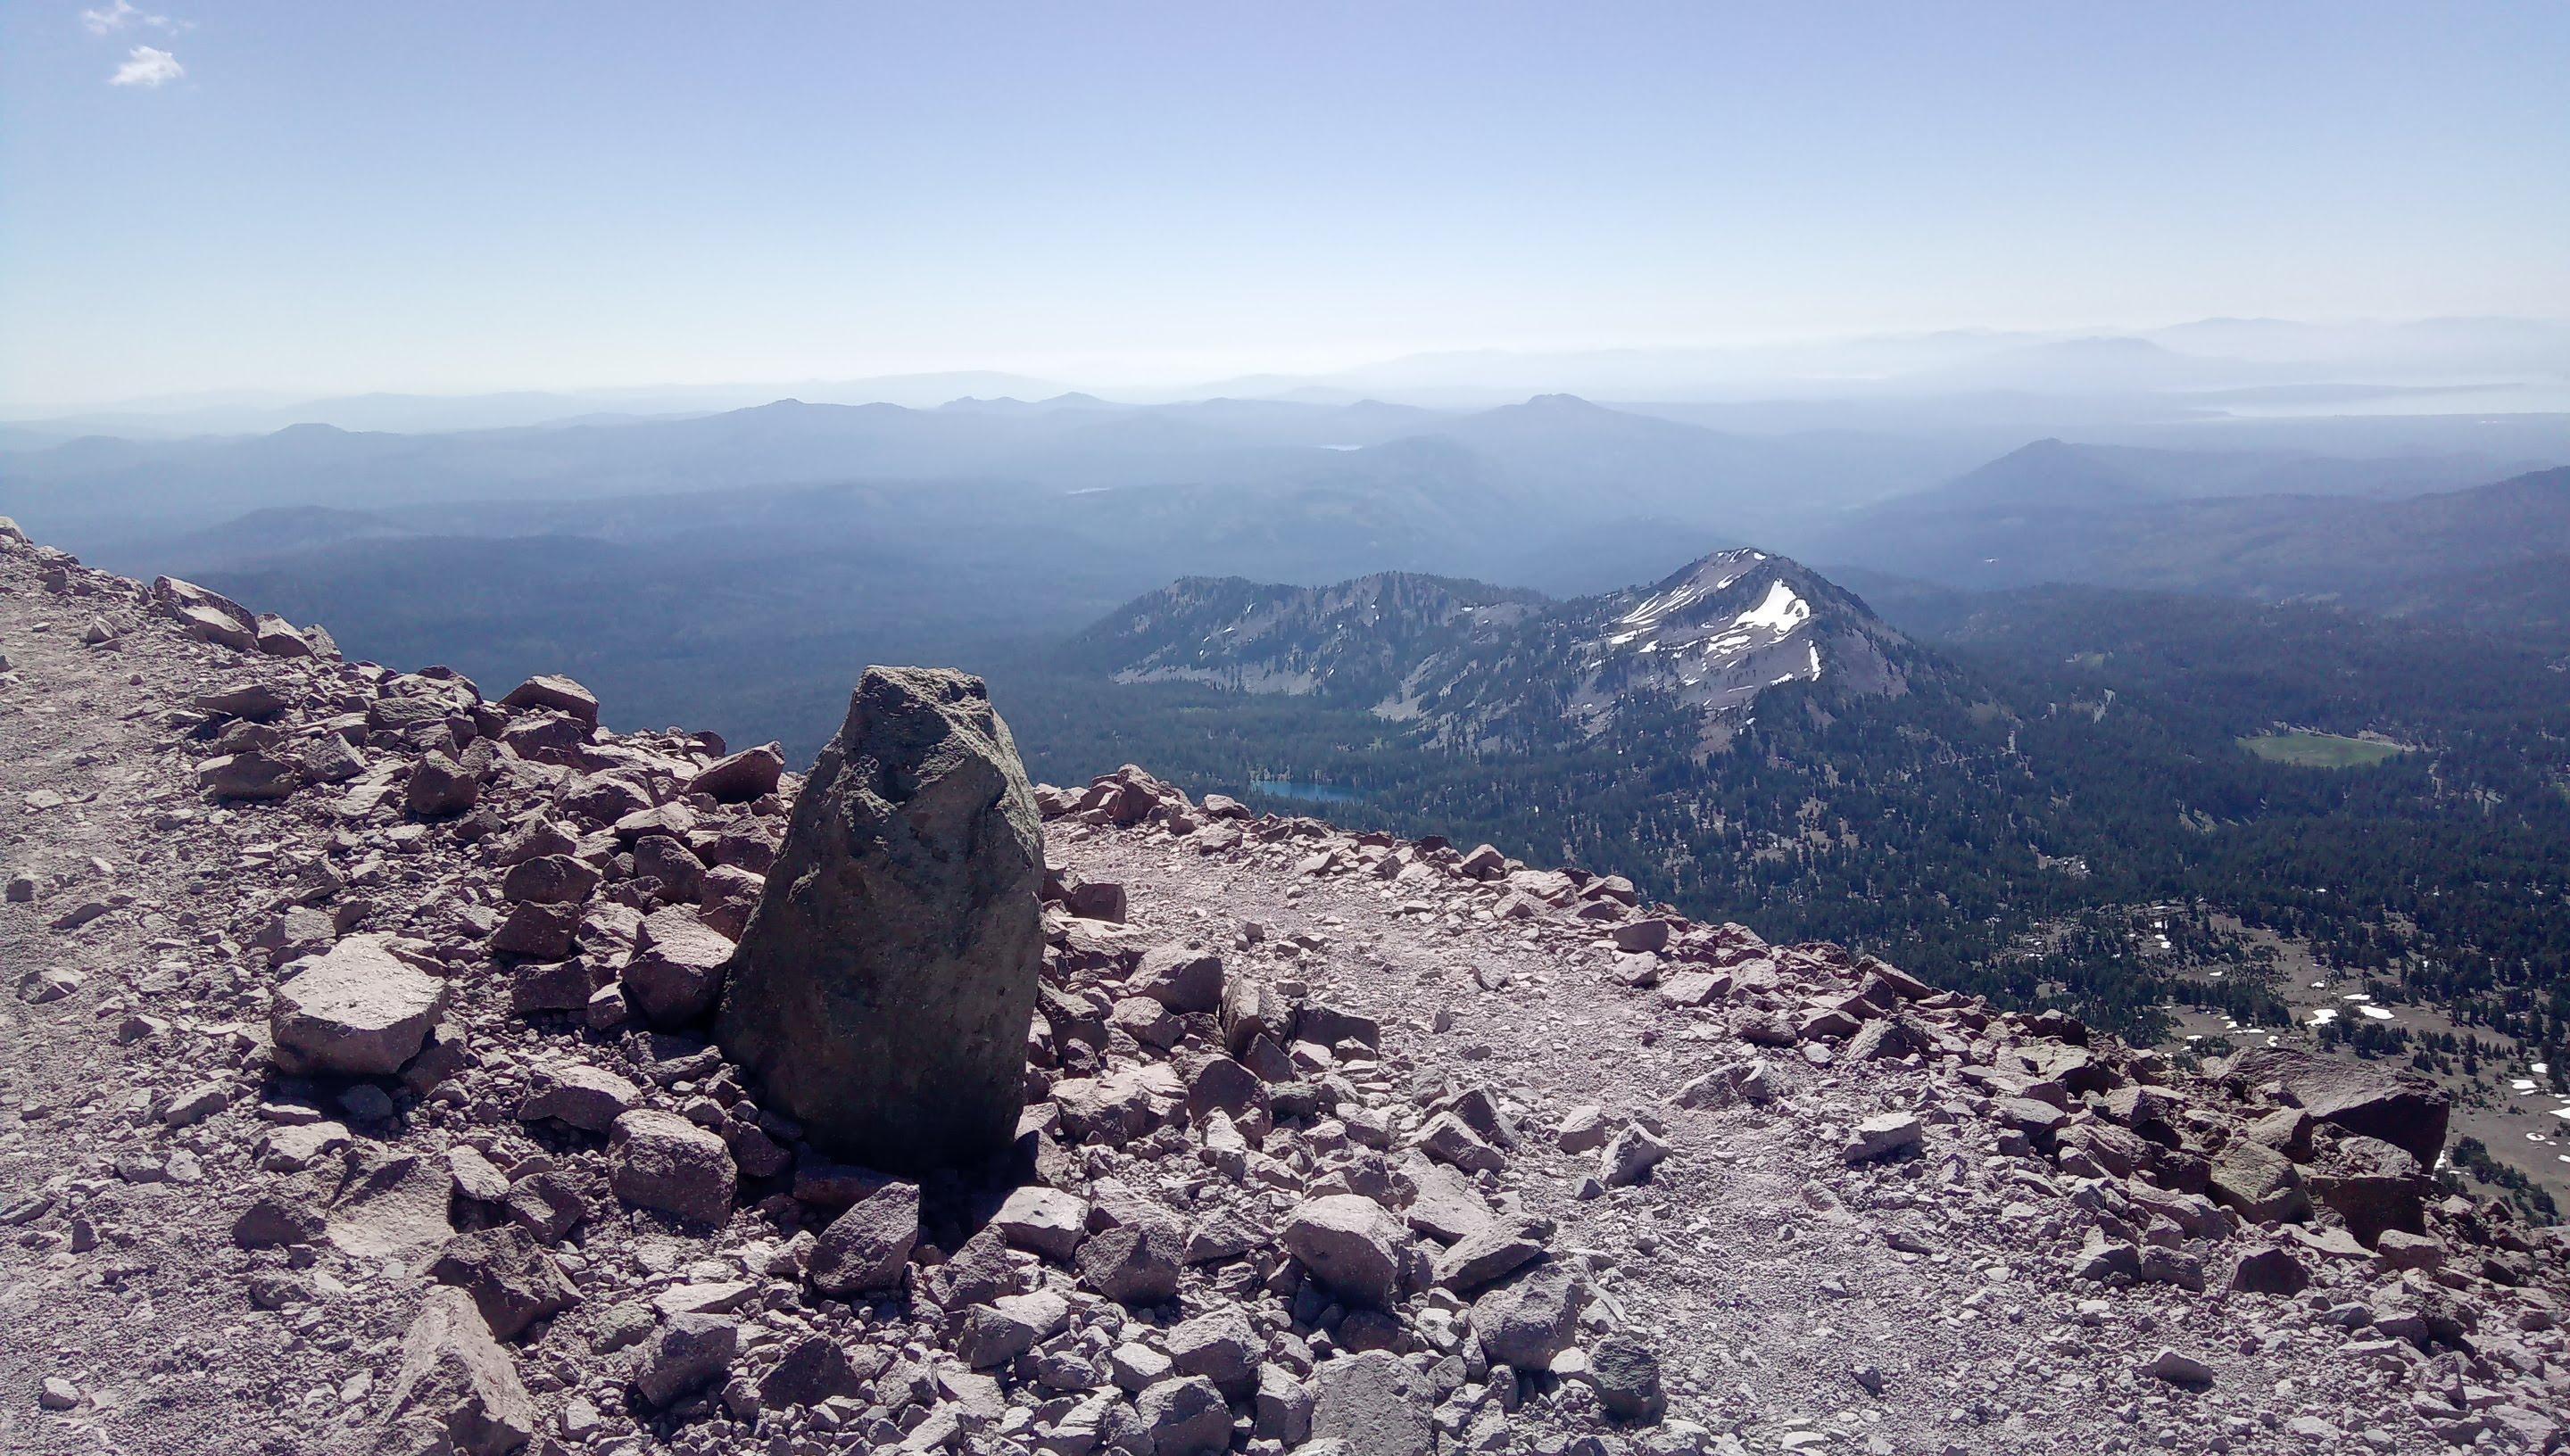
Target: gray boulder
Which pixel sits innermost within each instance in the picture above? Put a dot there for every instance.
(684, 1354)
(1375, 1403)
(865, 1249)
(457, 1386)
(677, 968)
(882, 991)
(513, 1283)
(1351, 1243)
(1185, 1416)
(660, 1160)
(1524, 1324)
(356, 1010)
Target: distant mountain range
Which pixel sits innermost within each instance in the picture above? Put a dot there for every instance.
(2142, 519)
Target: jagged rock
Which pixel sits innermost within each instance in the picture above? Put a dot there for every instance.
(2268, 1271)
(1375, 1403)
(2398, 1249)
(1494, 1252)
(475, 1176)
(1352, 1243)
(556, 694)
(1219, 1345)
(1182, 980)
(1184, 1417)
(1251, 1008)
(1627, 1373)
(2258, 1181)
(206, 616)
(2178, 1368)
(1524, 1323)
(356, 1010)
(2374, 1186)
(681, 875)
(585, 1097)
(727, 899)
(677, 974)
(441, 787)
(544, 1204)
(1008, 1326)
(512, 1281)
(1448, 1139)
(2400, 1107)
(251, 774)
(1883, 1134)
(1045, 1220)
(866, 1247)
(977, 1274)
(555, 879)
(243, 700)
(456, 1382)
(276, 1219)
(1282, 1408)
(537, 930)
(814, 1368)
(1131, 1263)
(658, 1160)
(689, 1351)
(391, 1202)
(1630, 1157)
(883, 990)
(744, 776)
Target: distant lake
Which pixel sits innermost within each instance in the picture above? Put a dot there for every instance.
(1308, 793)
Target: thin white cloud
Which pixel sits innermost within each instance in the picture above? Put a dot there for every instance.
(120, 15)
(147, 68)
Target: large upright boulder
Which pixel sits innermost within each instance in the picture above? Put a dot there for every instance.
(882, 991)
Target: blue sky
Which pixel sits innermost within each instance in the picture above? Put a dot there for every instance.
(463, 196)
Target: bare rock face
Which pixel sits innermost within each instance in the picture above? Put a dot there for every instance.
(2398, 1106)
(882, 991)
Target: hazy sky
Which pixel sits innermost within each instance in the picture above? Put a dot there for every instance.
(463, 196)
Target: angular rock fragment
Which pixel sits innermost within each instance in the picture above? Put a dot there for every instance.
(1524, 1323)
(689, 1351)
(558, 694)
(658, 1160)
(744, 776)
(457, 1385)
(1132, 1263)
(512, 1281)
(866, 1249)
(1627, 1373)
(2401, 1107)
(1882, 1136)
(1351, 1243)
(356, 1010)
(1045, 1220)
(585, 1097)
(1375, 1404)
(677, 974)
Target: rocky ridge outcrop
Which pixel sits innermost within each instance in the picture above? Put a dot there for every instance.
(1328, 1142)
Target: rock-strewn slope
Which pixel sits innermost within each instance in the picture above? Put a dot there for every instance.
(357, 1098)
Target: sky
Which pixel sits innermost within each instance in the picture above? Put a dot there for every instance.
(466, 197)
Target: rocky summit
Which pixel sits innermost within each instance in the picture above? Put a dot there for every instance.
(392, 1067)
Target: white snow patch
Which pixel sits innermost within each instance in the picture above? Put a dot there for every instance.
(1781, 612)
